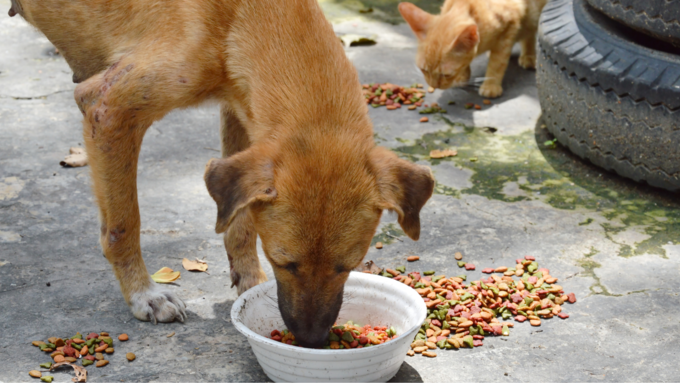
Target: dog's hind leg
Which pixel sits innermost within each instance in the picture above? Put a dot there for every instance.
(240, 239)
(118, 106)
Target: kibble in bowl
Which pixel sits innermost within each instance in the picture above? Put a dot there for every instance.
(375, 300)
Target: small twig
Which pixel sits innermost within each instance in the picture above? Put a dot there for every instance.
(33, 97)
(395, 237)
(207, 148)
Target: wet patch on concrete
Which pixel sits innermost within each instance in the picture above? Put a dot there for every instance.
(10, 187)
(389, 233)
(513, 168)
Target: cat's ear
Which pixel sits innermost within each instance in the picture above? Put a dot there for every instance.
(416, 18)
(467, 40)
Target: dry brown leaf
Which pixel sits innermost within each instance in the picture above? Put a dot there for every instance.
(165, 275)
(443, 153)
(369, 266)
(76, 158)
(353, 40)
(196, 265)
(81, 372)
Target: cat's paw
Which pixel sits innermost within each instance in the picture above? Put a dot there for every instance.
(527, 61)
(157, 304)
(490, 90)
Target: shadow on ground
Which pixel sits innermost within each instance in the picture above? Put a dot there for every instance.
(383, 10)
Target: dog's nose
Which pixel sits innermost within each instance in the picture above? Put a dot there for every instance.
(310, 337)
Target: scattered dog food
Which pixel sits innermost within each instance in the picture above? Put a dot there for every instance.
(412, 258)
(379, 245)
(460, 315)
(393, 96)
(424, 119)
(67, 351)
(345, 336)
(434, 108)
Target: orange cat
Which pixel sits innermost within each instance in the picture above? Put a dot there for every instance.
(466, 28)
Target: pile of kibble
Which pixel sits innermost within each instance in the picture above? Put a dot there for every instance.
(90, 350)
(394, 96)
(345, 336)
(461, 315)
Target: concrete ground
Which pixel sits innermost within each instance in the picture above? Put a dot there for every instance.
(612, 242)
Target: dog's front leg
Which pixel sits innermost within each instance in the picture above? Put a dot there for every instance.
(118, 106)
(240, 240)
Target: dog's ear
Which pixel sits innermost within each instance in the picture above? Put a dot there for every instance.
(237, 182)
(404, 188)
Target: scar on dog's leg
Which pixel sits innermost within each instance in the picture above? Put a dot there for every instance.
(240, 240)
(113, 127)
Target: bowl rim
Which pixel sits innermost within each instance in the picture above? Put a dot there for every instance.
(243, 329)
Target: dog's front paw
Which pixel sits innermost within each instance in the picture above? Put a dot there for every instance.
(490, 90)
(246, 279)
(157, 304)
(527, 61)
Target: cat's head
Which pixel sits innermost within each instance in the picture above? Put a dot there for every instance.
(446, 45)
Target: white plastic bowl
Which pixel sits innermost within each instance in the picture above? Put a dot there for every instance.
(369, 299)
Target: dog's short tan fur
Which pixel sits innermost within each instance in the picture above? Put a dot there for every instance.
(300, 168)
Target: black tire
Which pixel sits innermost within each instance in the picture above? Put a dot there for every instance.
(657, 18)
(607, 98)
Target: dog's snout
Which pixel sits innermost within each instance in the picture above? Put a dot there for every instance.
(309, 316)
(313, 337)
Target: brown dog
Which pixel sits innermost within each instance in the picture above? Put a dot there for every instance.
(301, 168)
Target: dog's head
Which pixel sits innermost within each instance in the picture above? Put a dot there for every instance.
(316, 210)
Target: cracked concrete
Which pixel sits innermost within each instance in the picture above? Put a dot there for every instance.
(612, 242)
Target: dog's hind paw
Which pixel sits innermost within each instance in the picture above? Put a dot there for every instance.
(157, 304)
